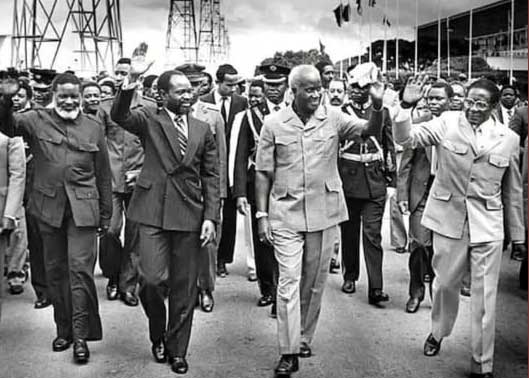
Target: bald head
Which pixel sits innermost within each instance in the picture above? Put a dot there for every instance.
(301, 74)
(305, 82)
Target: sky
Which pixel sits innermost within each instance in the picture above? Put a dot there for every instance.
(258, 28)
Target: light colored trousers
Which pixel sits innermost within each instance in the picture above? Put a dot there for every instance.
(17, 251)
(450, 263)
(303, 259)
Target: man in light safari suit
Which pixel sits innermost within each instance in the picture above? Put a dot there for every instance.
(477, 184)
(300, 202)
(12, 183)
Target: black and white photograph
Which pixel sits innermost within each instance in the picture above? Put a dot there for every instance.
(263, 189)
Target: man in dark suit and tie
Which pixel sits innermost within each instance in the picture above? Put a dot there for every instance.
(176, 202)
(229, 104)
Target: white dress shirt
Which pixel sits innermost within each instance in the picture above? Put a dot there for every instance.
(218, 102)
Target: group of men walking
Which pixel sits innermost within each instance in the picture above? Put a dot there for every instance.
(308, 171)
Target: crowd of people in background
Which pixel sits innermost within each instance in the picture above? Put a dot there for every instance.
(148, 174)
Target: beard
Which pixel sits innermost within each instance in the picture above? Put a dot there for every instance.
(68, 114)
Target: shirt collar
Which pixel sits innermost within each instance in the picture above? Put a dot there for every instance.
(218, 98)
(271, 105)
(173, 117)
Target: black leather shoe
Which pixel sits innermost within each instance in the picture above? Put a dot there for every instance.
(42, 302)
(412, 305)
(60, 344)
(265, 300)
(112, 292)
(178, 365)
(206, 301)
(130, 299)
(304, 350)
(81, 354)
(287, 365)
(158, 352)
(349, 287)
(465, 291)
(401, 250)
(432, 346)
(221, 270)
(481, 375)
(273, 310)
(377, 296)
(334, 267)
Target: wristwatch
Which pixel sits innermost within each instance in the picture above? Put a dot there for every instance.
(260, 214)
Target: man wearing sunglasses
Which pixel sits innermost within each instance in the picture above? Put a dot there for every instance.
(477, 185)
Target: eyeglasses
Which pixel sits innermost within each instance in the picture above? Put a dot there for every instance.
(480, 105)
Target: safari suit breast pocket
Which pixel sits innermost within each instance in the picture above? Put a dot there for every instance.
(49, 145)
(286, 147)
(325, 142)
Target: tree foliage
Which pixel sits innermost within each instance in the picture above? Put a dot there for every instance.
(294, 58)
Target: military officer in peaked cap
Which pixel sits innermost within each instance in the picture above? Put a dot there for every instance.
(41, 84)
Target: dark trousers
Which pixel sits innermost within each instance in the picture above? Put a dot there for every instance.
(265, 262)
(36, 257)
(118, 262)
(421, 251)
(229, 228)
(367, 212)
(169, 265)
(70, 256)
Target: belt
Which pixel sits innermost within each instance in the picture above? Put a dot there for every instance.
(363, 158)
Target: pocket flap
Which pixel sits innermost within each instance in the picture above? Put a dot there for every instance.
(142, 183)
(88, 147)
(499, 161)
(458, 148)
(280, 191)
(86, 193)
(285, 140)
(50, 191)
(333, 185)
(494, 203)
(441, 195)
(51, 139)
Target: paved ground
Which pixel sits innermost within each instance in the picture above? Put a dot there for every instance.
(239, 339)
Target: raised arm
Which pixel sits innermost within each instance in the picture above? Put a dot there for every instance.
(134, 121)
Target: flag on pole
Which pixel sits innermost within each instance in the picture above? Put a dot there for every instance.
(385, 21)
(346, 15)
(359, 7)
(338, 13)
(371, 3)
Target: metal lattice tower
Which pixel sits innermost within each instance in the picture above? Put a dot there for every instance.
(181, 32)
(43, 28)
(205, 35)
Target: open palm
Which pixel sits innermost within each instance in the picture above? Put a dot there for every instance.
(413, 91)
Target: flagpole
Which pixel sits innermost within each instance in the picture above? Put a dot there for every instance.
(438, 39)
(370, 40)
(416, 36)
(385, 56)
(511, 78)
(361, 39)
(448, 46)
(397, 42)
(470, 44)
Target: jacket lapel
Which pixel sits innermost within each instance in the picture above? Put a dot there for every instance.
(170, 133)
(495, 138)
(468, 133)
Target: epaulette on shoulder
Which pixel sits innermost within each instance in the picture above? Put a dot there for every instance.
(209, 106)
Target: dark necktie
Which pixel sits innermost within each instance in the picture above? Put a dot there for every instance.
(223, 110)
(182, 139)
